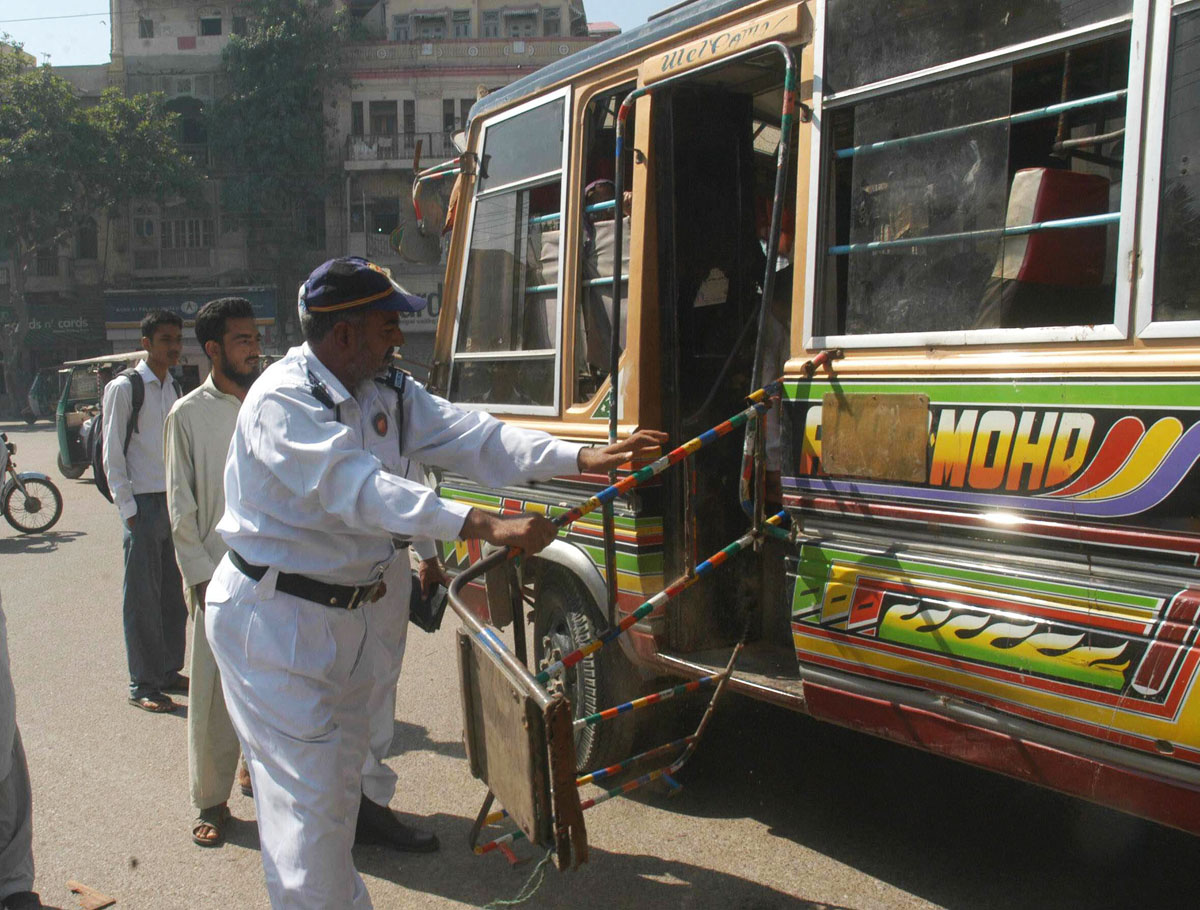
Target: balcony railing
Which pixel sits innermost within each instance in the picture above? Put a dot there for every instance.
(378, 54)
(199, 152)
(399, 147)
(46, 266)
(151, 260)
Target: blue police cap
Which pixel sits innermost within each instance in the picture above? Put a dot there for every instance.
(353, 283)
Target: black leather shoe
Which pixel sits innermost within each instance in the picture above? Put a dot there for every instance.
(378, 826)
(23, 900)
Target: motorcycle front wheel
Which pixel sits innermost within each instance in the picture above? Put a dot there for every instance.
(35, 510)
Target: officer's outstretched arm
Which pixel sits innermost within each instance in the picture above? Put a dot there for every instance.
(642, 445)
(529, 532)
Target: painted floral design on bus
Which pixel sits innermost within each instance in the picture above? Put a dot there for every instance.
(1062, 652)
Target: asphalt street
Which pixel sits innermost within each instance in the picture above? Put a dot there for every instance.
(777, 810)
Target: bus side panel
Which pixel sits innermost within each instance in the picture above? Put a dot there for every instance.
(1121, 788)
(1047, 569)
(639, 536)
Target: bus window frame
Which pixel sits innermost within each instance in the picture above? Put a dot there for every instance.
(584, 408)
(555, 407)
(1121, 328)
(1156, 128)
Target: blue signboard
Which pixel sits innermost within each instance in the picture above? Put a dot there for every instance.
(125, 309)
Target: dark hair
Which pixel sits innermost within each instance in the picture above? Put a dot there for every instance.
(315, 326)
(210, 321)
(156, 319)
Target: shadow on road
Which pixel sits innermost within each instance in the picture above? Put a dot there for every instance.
(646, 882)
(408, 738)
(950, 833)
(48, 542)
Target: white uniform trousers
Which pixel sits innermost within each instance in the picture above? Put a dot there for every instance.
(390, 627)
(297, 680)
(212, 743)
(16, 799)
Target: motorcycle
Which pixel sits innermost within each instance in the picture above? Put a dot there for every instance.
(30, 501)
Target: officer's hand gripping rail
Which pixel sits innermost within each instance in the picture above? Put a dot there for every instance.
(533, 775)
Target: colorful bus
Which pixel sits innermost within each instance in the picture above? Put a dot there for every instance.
(989, 215)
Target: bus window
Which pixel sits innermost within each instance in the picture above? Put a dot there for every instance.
(925, 33)
(1177, 267)
(509, 316)
(593, 317)
(986, 201)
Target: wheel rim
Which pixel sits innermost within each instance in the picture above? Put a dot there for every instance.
(557, 643)
(34, 510)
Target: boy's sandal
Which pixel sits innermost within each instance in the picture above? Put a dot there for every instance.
(209, 829)
(155, 704)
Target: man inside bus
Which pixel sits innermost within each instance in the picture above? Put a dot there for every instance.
(311, 515)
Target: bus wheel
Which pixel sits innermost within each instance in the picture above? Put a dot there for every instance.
(70, 471)
(565, 619)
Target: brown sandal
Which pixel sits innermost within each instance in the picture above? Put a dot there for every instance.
(214, 818)
(155, 704)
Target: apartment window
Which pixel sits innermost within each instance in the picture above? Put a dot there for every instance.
(491, 25)
(523, 25)
(431, 28)
(187, 233)
(410, 120)
(448, 119)
(400, 28)
(210, 26)
(383, 118)
(314, 224)
(87, 240)
(551, 23)
(356, 118)
(145, 27)
(464, 111)
(462, 23)
(239, 25)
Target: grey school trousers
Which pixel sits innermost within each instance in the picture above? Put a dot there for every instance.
(154, 612)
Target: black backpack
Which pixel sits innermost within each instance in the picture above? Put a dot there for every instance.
(94, 442)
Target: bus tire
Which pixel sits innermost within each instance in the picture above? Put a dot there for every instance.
(566, 618)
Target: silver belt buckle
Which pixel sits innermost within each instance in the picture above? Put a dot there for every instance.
(366, 594)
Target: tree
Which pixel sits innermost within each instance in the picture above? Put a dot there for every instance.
(62, 163)
(268, 133)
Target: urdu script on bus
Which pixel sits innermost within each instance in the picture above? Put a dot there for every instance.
(726, 42)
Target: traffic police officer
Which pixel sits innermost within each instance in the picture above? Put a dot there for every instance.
(310, 519)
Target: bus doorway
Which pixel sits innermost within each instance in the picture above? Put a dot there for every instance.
(707, 175)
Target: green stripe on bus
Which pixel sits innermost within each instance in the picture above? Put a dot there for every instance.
(1014, 392)
(821, 557)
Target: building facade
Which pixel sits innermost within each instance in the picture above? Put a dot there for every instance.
(413, 69)
(412, 80)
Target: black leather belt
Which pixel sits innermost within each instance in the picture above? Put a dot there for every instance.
(342, 597)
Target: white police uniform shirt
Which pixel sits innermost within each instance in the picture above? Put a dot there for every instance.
(377, 410)
(305, 487)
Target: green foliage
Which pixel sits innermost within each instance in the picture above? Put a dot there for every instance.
(61, 162)
(268, 131)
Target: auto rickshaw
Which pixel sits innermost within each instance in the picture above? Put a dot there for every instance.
(43, 395)
(83, 385)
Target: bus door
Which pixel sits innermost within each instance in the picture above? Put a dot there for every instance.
(707, 170)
